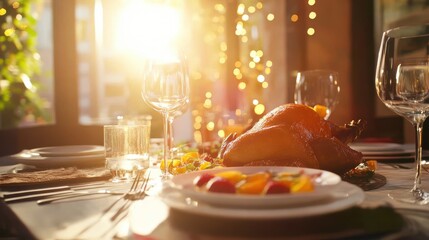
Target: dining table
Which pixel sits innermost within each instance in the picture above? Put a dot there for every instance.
(377, 216)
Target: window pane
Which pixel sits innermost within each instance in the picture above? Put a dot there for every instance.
(26, 64)
(233, 48)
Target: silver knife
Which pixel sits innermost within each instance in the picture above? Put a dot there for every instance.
(76, 194)
(52, 189)
(35, 191)
(35, 196)
(59, 195)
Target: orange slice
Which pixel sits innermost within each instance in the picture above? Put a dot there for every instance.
(321, 110)
(302, 184)
(372, 164)
(188, 157)
(255, 183)
(232, 176)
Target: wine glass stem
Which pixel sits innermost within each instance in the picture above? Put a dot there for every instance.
(417, 180)
(166, 152)
(170, 135)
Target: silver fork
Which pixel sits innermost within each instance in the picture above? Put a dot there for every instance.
(131, 196)
(131, 192)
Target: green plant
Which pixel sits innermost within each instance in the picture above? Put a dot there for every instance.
(19, 65)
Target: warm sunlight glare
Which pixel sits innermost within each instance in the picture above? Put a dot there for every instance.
(148, 29)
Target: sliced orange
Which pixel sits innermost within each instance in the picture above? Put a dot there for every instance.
(253, 187)
(255, 183)
(179, 170)
(188, 157)
(302, 184)
(321, 110)
(205, 165)
(232, 176)
(372, 164)
(257, 176)
(163, 164)
(176, 163)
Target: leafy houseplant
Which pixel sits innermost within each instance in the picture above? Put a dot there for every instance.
(19, 65)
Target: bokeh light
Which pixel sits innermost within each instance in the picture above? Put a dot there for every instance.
(294, 18)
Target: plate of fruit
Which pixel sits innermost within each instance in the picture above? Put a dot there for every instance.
(255, 187)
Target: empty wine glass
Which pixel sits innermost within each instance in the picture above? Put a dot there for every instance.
(166, 89)
(318, 88)
(402, 84)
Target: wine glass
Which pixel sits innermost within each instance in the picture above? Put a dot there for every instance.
(318, 88)
(402, 84)
(166, 89)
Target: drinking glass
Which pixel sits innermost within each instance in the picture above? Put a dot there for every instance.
(402, 84)
(166, 89)
(127, 148)
(318, 87)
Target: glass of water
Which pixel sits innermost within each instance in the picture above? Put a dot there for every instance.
(127, 148)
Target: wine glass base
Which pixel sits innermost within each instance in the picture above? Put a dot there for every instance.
(417, 197)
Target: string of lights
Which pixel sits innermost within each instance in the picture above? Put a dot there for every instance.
(251, 72)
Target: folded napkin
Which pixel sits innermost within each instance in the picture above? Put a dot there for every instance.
(54, 176)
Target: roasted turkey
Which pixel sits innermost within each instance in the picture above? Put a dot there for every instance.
(294, 135)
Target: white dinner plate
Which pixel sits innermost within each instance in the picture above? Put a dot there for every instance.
(400, 152)
(377, 147)
(70, 150)
(371, 151)
(30, 158)
(405, 152)
(324, 185)
(391, 158)
(345, 196)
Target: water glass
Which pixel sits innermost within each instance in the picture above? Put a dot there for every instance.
(127, 149)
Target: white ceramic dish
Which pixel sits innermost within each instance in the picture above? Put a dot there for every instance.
(70, 150)
(402, 151)
(345, 196)
(376, 147)
(390, 158)
(35, 159)
(408, 152)
(326, 183)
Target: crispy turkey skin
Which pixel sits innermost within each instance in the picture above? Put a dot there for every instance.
(293, 135)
